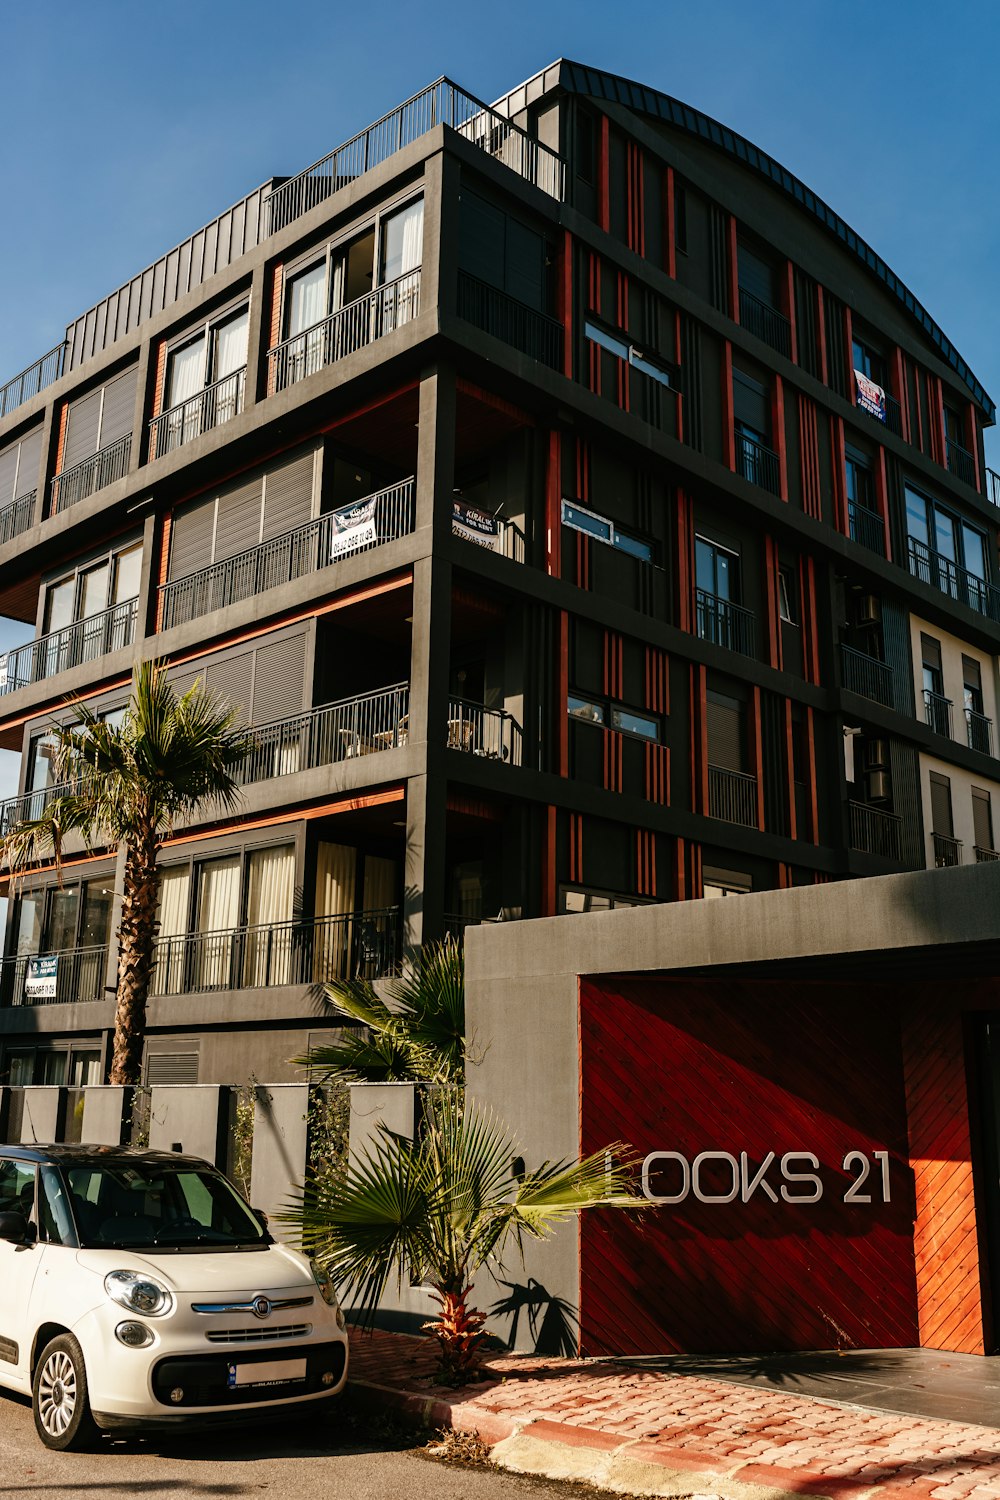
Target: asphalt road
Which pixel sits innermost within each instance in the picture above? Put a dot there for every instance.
(334, 1460)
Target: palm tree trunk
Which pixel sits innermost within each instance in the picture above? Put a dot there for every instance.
(136, 940)
(458, 1329)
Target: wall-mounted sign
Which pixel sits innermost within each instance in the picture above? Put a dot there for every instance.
(794, 1176)
(40, 979)
(475, 526)
(3, 672)
(353, 528)
(871, 397)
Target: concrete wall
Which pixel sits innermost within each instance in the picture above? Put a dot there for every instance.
(962, 782)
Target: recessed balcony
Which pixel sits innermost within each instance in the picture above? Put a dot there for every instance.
(732, 796)
(32, 380)
(181, 424)
(866, 528)
(937, 712)
(946, 850)
(874, 830)
(724, 623)
(765, 323)
(511, 321)
(93, 474)
(86, 640)
(942, 573)
(491, 733)
(979, 732)
(757, 464)
(346, 331)
(866, 676)
(960, 462)
(67, 976)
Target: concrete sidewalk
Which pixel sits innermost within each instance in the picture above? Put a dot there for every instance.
(654, 1433)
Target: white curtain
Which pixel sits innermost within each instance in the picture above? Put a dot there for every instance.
(307, 303)
(218, 914)
(335, 883)
(187, 373)
(231, 346)
(404, 241)
(172, 914)
(270, 897)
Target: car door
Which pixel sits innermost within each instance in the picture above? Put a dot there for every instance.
(18, 1268)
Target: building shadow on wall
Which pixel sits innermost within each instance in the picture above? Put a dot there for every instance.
(551, 1322)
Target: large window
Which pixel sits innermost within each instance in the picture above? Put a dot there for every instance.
(603, 530)
(625, 720)
(205, 380)
(74, 915)
(653, 365)
(946, 551)
(101, 593)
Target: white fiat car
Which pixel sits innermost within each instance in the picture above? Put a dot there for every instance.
(138, 1289)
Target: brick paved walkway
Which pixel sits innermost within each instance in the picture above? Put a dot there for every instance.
(683, 1422)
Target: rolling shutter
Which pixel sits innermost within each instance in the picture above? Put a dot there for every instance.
(724, 717)
(191, 539)
(941, 805)
(82, 427)
(982, 818)
(232, 680)
(278, 679)
(237, 528)
(287, 496)
(119, 405)
(27, 469)
(8, 473)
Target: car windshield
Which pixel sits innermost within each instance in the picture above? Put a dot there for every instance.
(137, 1204)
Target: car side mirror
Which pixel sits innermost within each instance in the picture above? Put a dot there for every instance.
(260, 1216)
(14, 1227)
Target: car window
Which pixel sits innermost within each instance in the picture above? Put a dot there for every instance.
(17, 1187)
(136, 1203)
(55, 1220)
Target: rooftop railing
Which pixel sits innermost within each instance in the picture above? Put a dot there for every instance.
(17, 517)
(32, 380)
(866, 527)
(79, 977)
(732, 796)
(873, 830)
(93, 474)
(380, 518)
(765, 322)
(112, 630)
(958, 583)
(489, 732)
(511, 321)
(216, 404)
(866, 675)
(346, 331)
(725, 623)
(442, 103)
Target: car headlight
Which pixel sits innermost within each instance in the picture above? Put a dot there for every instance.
(140, 1293)
(321, 1276)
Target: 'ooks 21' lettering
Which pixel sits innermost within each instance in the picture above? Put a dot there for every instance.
(795, 1177)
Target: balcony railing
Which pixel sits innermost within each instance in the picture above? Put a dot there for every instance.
(506, 538)
(873, 830)
(960, 462)
(513, 322)
(32, 380)
(216, 404)
(757, 464)
(17, 517)
(344, 332)
(338, 731)
(866, 676)
(359, 945)
(489, 732)
(958, 583)
(985, 856)
(93, 474)
(867, 527)
(79, 976)
(380, 518)
(937, 712)
(86, 640)
(979, 731)
(724, 623)
(765, 322)
(993, 486)
(893, 416)
(29, 806)
(442, 103)
(732, 796)
(947, 851)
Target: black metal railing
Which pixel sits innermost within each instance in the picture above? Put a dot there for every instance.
(979, 731)
(993, 486)
(93, 474)
(511, 321)
(379, 518)
(344, 332)
(17, 517)
(757, 464)
(489, 732)
(442, 103)
(80, 975)
(29, 806)
(732, 796)
(947, 851)
(358, 945)
(724, 623)
(937, 712)
(216, 404)
(960, 462)
(454, 925)
(985, 856)
(32, 380)
(765, 322)
(355, 726)
(873, 830)
(866, 527)
(893, 414)
(958, 583)
(86, 640)
(866, 675)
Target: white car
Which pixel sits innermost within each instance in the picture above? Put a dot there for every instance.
(138, 1289)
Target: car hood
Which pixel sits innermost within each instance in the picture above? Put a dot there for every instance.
(220, 1273)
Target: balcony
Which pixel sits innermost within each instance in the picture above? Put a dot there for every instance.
(346, 331)
(947, 851)
(491, 733)
(732, 796)
(866, 528)
(338, 731)
(32, 380)
(937, 713)
(985, 856)
(866, 676)
(211, 407)
(765, 323)
(757, 464)
(893, 416)
(724, 623)
(17, 517)
(380, 518)
(993, 486)
(443, 103)
(29, 806)
(112, 630)
(872, 830)
(79, 977)
(958, 583)
(979, 732)
(93, 474)
(358, 945)
(492, 533)
(513, 322)
(960, 462)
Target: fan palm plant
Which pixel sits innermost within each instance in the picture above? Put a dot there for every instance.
(439, 1208)
(126, 786)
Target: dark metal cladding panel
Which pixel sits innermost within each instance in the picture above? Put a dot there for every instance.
(904, 768)
(896, 645)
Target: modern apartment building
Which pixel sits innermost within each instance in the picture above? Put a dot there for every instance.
(583, 515)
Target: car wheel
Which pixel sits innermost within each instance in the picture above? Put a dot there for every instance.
(59, 1397)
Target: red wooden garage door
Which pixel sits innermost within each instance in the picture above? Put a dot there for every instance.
(740, 1071)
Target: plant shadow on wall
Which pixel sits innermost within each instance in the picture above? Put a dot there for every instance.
(552, 1321)
(455, 1199)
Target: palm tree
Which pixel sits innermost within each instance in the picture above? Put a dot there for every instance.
(419, 1034)
(439, 1208)
(126, 786)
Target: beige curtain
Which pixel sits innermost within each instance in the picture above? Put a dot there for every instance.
(218, 915)
(380, 883)
(172, 915)
(270, 899)
(335, 882)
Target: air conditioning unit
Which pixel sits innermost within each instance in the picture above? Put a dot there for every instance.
(878, 786)
(876, 755)
(868, 611)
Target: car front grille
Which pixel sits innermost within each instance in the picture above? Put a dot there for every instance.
(259, 1335)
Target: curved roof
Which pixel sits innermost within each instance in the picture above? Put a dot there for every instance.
(577, 78)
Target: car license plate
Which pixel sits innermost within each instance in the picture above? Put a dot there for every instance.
(271, 1372)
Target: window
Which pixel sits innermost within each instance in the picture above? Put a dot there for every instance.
(402, 242)
(205, 380)
(946, 847)
(860, 482)
(625, 720)
(755, 275)
(582, 708)
(972, 685)
(577, 898)
(946, 551)
(982, 820)
(617, 344)
(953, 430)
(66, 917)
(717, 883)
(717, 569)
(603, 530)
(17, 1187)
(937, 708)
(103, 594)
(718, 615)
(500, 251)
(867, 361)
(786, 596)
(55, 1222)
(726, 732)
